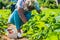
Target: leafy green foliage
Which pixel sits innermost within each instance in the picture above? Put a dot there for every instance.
(48, 3)
(4, 14)
(43, 26)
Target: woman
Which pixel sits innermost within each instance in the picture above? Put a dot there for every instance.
(22, 13)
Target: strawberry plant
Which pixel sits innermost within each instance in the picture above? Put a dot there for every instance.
(43, 26)
(4, 14)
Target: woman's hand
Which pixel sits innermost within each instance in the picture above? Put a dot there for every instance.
(39, 11)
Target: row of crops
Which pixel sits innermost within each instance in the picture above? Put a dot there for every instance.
(44, 26)
(4, 14)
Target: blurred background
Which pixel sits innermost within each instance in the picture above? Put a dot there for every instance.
(50, 10)
(45, 3)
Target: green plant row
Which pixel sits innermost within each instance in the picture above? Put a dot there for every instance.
(4, 14)
(44, 26)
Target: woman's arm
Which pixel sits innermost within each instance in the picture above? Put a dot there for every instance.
(21, 15)
(37, 7)
(19, 6)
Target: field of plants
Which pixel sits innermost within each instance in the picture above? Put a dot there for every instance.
(4, 14)
(44, 26)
